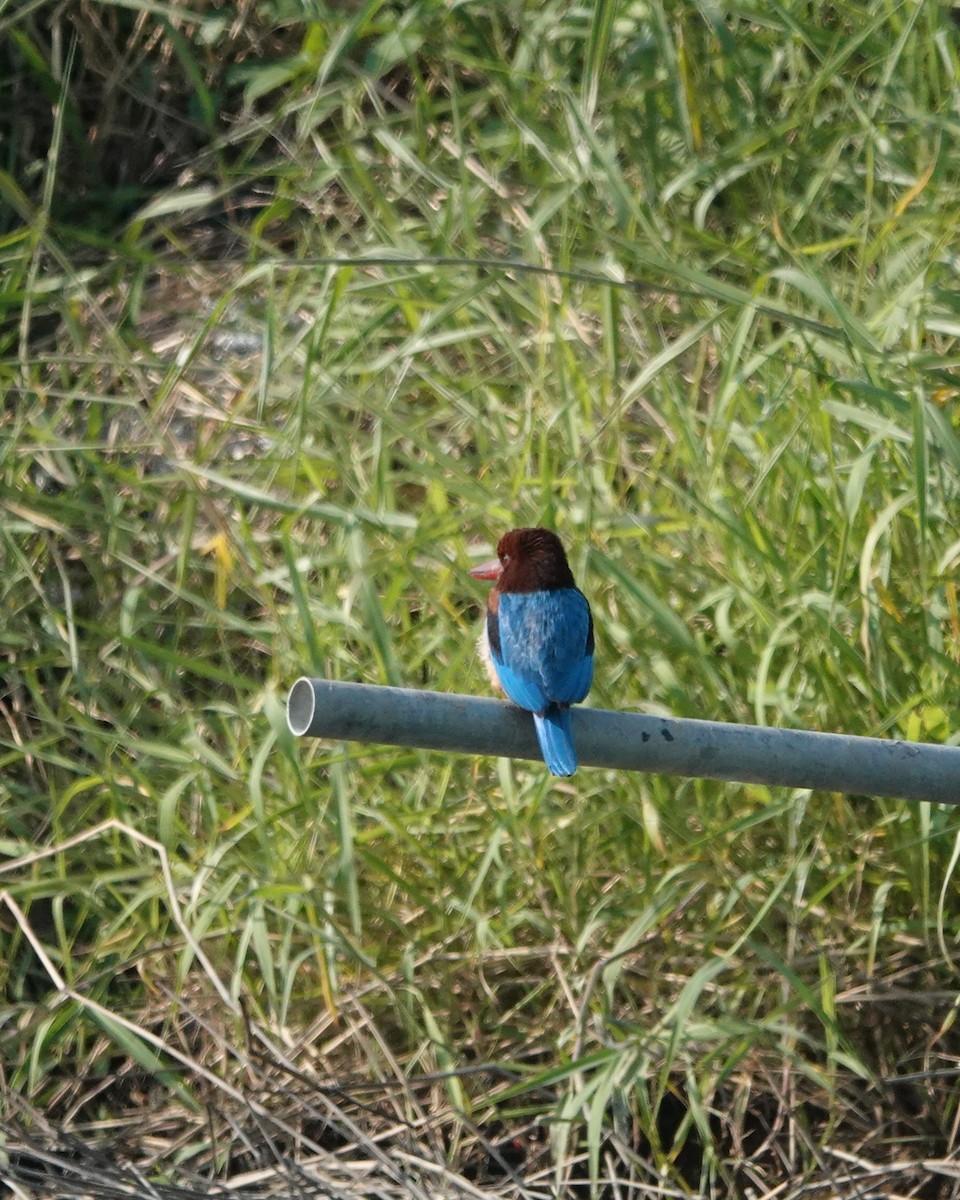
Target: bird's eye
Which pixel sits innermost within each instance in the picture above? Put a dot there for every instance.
(504, 558)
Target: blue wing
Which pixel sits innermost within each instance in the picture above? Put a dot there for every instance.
(542, 647)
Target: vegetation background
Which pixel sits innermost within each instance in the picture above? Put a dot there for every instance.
(301, 306)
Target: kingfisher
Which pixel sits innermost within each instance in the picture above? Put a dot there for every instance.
(537, 640)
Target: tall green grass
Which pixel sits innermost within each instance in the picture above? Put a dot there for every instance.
(675, 281)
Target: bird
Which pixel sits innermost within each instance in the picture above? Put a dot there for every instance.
(537, 639)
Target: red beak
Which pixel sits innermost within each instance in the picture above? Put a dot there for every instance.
(487, 570)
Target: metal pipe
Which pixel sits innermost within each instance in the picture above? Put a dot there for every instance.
(629, 741)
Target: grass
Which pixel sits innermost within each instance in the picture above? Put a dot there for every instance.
(314, 309)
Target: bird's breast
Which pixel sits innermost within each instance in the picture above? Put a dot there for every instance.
(483, 646)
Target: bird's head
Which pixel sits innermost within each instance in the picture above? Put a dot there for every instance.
(528, 560)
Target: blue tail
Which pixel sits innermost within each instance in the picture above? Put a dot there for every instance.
(556, 739)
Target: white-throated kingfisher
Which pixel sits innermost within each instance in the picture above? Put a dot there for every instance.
(537, 640)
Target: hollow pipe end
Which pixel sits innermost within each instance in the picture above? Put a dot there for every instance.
(301, 706)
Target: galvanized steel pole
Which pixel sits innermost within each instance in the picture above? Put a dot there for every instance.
(629, 741)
